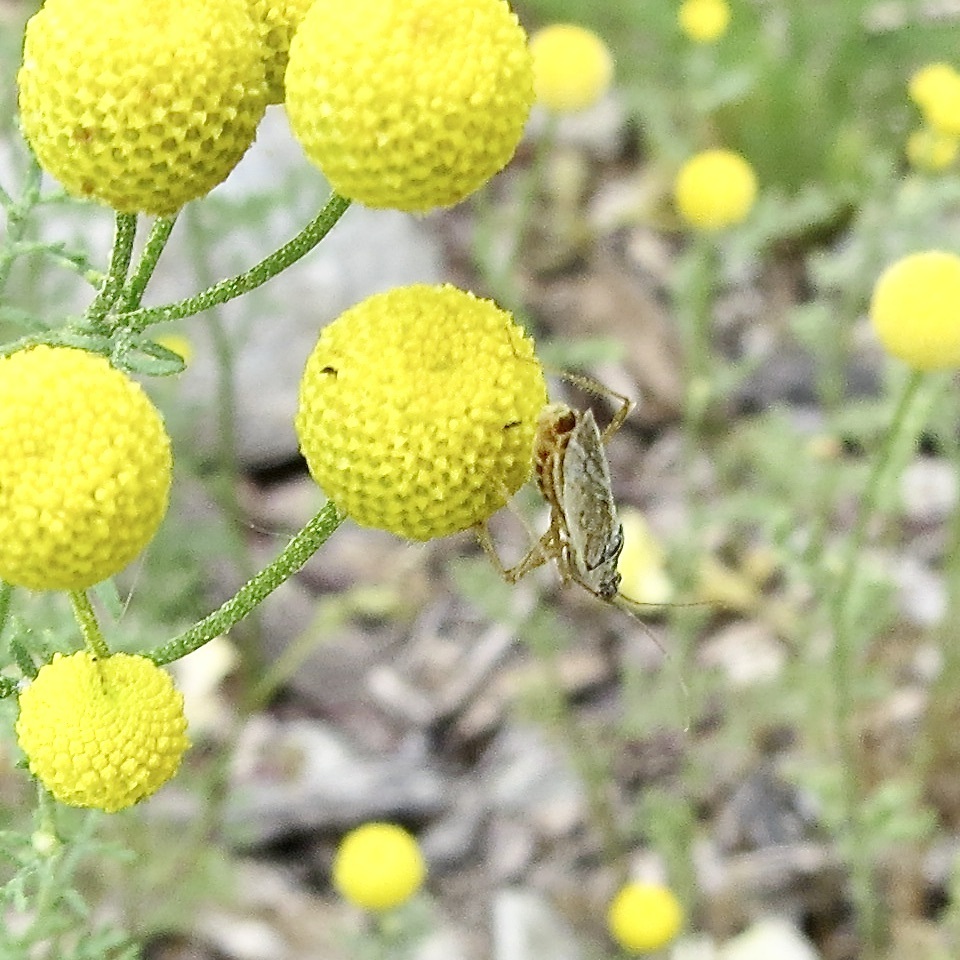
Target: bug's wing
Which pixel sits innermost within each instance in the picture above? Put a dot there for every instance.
(595, 537)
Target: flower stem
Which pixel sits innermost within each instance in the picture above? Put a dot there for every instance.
(156, 241)
(242, 283)
(903, 428)
(83, 611)
(256, 589)
(125, 232)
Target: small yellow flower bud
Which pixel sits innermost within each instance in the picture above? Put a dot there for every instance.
(704, 21)
(102, 733)
(378, 866)
(572, 67)
(644, 917)
(715, 189)
(915, 310)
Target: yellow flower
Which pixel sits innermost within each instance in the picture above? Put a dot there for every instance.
(378, 866)
(85, 469)
(409, 104)
(936, 91)
(915, 310)
(644, 917)
(715, 189)
(704, 21)
(418, 409)
(931, 151)
(926, 81)
(277, 21)
(641, 563)
(102, 733)
(141, 104)
(572, 67)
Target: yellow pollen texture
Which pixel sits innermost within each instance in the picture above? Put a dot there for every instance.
(141, 104)
(102, 733)
(418, 409)
(85, 471)
(409, 104)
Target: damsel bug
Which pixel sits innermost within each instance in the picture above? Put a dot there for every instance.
(585, 536)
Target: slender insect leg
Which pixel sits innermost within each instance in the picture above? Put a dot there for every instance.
(543, 551)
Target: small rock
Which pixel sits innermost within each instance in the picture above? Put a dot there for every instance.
(772, 937)
(300, 776)
(527, 927)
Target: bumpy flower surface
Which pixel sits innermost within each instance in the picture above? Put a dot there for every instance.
(84, 471)
(572, 67)
(715, 189)
(644, 917)
(704, 21)
(915, 310)
(102, 733)
(141, 104)
(378, 866)
(277, 21)
(418, 409)
(409, 104)
(931, 151)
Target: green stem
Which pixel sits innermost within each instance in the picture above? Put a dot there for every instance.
(297, 552)
(6, 595)
(137, 283)
(125, 232)
(844, 664)
(243, 283)
(83, 611)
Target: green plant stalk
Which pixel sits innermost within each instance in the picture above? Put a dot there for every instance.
(844, 661)
(92, 636)
(120, 257)
(297, 552)
(242, 283)
(132, 293)
(6, 596)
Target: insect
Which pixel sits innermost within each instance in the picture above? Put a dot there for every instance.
(585, 536)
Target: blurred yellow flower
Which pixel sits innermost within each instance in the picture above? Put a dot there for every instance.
(715, 189)
(641, 563)
(930, 150)
(572, 67)
(378, 866)
(925, 82)
(915, 310)
(936, 91)
(644, 917)
(179, 344)
(704, 21)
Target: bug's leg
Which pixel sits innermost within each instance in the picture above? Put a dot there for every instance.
(601, 390)
(539, 554)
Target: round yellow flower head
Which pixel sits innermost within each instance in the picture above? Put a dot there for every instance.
(915, 310)
(572, 67)
(937, 93)
(418, 409)
(85, 469)
(102, 733)
(409, 104)
(644, 917)
(277, 21)
(704, 21)
(141, 104)
(931, 151)
(715, 189)
(925, 82)
(378, 866)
